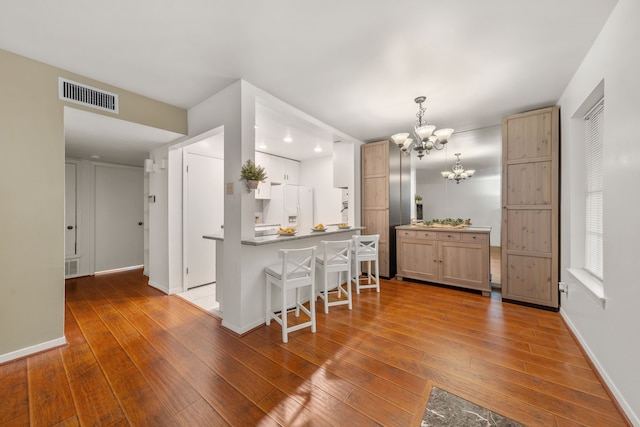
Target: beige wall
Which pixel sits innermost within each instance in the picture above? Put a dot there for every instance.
(32, 195)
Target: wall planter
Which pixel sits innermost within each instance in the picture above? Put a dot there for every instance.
(252, 174)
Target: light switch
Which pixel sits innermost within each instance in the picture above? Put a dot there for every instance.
(229, 188)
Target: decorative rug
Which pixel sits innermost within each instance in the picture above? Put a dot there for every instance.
(448, 410)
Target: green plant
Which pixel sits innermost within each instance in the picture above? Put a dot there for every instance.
(448, 221)
(418, 198)
(252, 172)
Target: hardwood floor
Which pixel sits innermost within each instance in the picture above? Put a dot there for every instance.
(138, 357)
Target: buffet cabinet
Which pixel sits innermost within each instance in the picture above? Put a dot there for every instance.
(457, 257)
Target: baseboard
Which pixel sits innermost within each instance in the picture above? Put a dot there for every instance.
(157, 286)
(175, 290)
(611, 388)
(27, 351)
(242, 331)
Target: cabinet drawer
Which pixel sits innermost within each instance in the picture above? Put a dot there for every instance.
(475, 237)
(449, 236)
(406, 233)
(425, 235)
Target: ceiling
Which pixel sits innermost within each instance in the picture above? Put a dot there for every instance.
(355, 65)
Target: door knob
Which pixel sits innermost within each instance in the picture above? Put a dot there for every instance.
(69, 227)
(140, 223)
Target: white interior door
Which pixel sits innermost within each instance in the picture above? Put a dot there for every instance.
(70, 209)
(205, 214)
(119, 216)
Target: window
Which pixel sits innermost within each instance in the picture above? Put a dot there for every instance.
(594, 133)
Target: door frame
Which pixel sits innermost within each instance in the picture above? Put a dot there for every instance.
(181, 146)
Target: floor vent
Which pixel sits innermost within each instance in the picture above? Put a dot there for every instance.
(71, 267)
(86, 95)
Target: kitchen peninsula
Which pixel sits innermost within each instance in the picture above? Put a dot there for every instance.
(450, 256)
(261, 251)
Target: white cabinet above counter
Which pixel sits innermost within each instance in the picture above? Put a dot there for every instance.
(279, 169)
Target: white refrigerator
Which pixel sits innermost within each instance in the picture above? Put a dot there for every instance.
(290, 206)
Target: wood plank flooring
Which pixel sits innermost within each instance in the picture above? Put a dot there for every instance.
(138, 357)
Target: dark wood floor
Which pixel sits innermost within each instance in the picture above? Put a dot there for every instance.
(138, 357)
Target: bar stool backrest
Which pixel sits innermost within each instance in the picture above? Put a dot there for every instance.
(336, 253)
(298, 265)
(365, 247)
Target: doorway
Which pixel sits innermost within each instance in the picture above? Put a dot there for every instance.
(119, 217)
(204, 214)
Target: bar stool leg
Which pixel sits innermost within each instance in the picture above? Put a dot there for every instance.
(312, 308)
(268, 302)
(349, 292)
(283, 315)
(326, 292)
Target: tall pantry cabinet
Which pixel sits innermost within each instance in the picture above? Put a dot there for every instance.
(530, 207)
(386, 183)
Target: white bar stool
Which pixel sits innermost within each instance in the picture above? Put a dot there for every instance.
(335, 257)
(296, 271)
(365, 248)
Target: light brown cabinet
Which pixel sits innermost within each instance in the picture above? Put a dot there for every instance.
(451, 257)
(530, 204)
(386, 200)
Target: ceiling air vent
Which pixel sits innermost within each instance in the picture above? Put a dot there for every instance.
(86, 95)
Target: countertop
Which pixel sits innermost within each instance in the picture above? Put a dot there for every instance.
(470, 229)
(266, 240)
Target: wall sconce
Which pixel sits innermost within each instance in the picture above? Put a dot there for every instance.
(148, 165)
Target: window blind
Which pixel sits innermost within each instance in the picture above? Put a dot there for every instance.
(594, 199)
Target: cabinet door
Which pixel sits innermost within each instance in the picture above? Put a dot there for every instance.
(376, 221)
(464, 264)
(375, 193)
(375, 159)
(281, 170)
(417, 259)
(277, 173)
(343, 165)
(263, 191)
(530, 195)
(264, 188)
(292, 171)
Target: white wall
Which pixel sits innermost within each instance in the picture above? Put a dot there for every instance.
(158, 223)
(609, 334)
(318, 173)
(234, 109)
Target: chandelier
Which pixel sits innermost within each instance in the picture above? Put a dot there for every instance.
(458, 174)
(427, 138)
